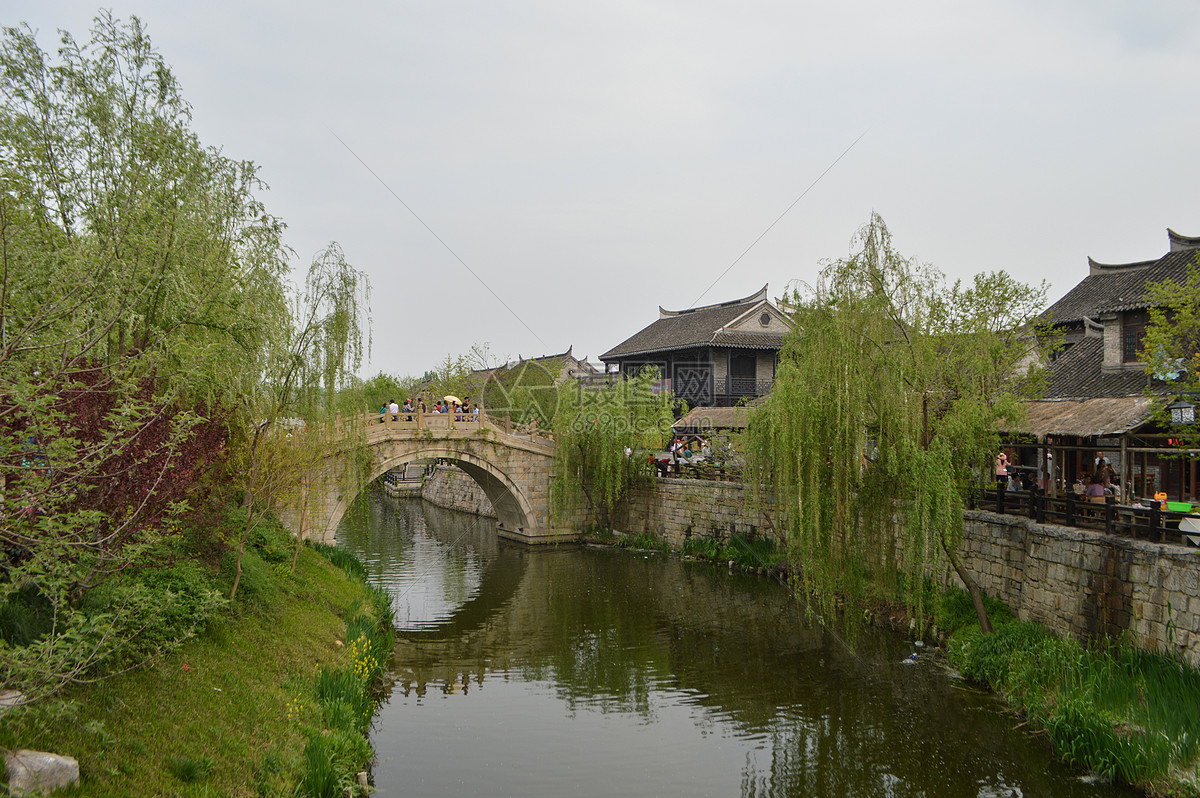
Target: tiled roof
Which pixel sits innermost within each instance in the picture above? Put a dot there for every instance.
(698, 327)
(1086, 418)
(1110, 288)
(1077, 374)
(748, 340)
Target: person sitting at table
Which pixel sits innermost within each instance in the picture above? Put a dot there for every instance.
(1095, 488)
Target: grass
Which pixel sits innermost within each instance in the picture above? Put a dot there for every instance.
(642, 541)
(743, 553)
(189, 769)
(1115, 709)
(219, 716)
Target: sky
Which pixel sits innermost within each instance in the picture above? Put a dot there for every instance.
(572, 166)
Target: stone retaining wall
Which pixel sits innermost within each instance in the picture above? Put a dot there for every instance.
(1088, 583)
(451, 487)
(674, 509)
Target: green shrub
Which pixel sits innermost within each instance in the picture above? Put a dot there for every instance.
(1119, 710)
(1040, 673)
(955, 610)
(705, 548)
(961, 643)
(384, 611)
(351, 750)
(351, 687)
(153, 610)
(272, 542)
(640, 541)
(752, 553)
(259, 583)
(1082, 734)
(339, 714)
(25, 615)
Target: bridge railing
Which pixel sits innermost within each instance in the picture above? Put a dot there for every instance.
(417, 420)
(445, 422)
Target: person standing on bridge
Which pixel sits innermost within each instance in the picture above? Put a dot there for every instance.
(394, 409)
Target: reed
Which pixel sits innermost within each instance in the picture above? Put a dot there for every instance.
(1121, 711)
(347, 695)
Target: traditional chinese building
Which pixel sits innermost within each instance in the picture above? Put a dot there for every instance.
(709, 356)
(1100, 397)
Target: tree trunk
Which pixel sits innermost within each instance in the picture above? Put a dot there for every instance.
(972, 586)
(300, 531)
(248, 502)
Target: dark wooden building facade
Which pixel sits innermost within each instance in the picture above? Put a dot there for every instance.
(710, 356)
(1100, 397)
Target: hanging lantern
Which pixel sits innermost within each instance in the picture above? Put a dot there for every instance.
(1182, 412)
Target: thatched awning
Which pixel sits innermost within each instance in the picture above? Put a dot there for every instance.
(700, 419)
(1085, 418)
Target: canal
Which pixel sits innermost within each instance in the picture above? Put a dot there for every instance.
(588, 671)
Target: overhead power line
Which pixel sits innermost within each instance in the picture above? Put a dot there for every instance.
(439, 238)
(777, 218)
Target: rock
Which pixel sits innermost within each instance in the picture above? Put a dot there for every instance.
(10, 699)
(36, 772)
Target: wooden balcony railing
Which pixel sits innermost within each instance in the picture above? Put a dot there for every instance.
(1135, 521)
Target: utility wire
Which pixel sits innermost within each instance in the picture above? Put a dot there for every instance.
(439, 238)
(779, 217)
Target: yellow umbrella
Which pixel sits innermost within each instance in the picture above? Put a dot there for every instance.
(452, 398)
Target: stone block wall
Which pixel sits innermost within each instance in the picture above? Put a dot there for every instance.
(453, 488)
(674, 509)
(1088, 583)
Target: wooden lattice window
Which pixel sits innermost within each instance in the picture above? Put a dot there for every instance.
(1133, 335)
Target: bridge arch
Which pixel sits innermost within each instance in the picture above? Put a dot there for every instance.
(513, 508)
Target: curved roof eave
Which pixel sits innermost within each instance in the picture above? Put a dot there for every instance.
(757, 296)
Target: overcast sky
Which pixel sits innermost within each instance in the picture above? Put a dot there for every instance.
(592, 161)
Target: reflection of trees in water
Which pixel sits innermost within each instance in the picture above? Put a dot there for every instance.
(432, 560)
(612, 632)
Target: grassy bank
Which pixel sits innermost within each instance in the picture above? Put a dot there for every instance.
(1115, 709)
(235, 710)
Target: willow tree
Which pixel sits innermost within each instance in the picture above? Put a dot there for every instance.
(139, 274)
(1171, 348)
(288, 412)
(601, 437)
(886, 408)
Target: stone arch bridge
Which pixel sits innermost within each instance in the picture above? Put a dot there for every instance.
(512, 465)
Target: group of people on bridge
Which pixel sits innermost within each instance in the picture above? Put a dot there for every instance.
(463, 410)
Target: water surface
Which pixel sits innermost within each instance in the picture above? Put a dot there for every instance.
(579, 671)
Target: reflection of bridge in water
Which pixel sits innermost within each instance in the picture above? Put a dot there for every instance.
(549, 648)
(512, 465)
(609, 635)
